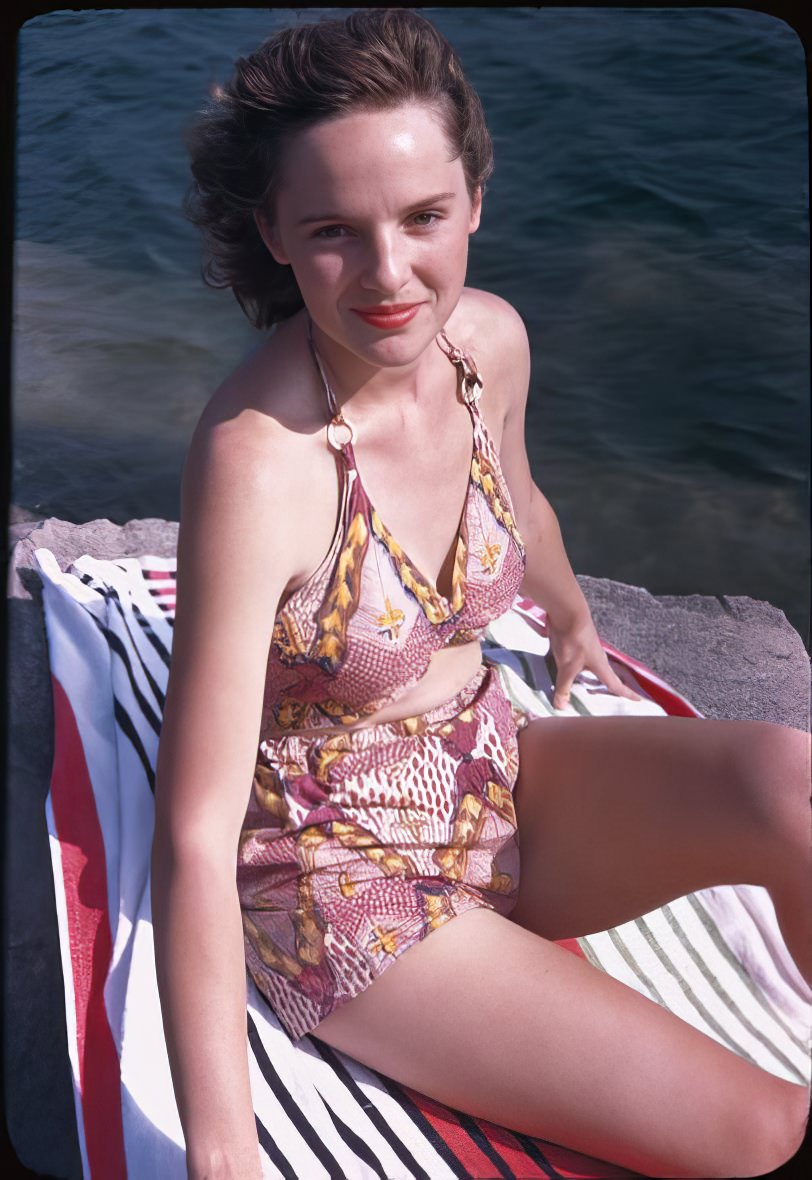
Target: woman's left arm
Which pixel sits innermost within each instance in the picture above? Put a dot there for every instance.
(549, 579)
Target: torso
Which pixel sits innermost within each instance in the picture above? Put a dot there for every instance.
(402, 458)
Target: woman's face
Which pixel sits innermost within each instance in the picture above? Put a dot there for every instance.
(372, 212)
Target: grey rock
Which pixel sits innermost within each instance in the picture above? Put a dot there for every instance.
(732, 657)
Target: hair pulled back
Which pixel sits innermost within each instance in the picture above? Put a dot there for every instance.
(373, 59)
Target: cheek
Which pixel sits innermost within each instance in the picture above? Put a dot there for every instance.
(320, 271)
(448, 249)
(449, 261)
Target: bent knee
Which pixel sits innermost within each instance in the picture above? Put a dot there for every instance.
(771, 767)
(750, 1134)
(776, 1131)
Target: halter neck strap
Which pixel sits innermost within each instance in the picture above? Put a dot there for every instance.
(471, 380)
(331, 397)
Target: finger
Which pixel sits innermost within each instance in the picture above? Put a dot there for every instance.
(613, 682)
(617, 686)
(565, 677)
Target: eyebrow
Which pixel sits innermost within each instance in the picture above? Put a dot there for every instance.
(337, 216)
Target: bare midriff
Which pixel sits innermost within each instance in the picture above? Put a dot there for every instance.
(448, 672)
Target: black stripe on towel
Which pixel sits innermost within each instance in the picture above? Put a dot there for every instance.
(354, 1142)
(533, 1152)
(149, 631)
(507, 656)
(375, 1117)
(442, 1149)
(125, 724)
(117, 645)
(268, 1144)
(526, 673)
(552, 667)
(290, 1106)
(422, 1123)
(483, 1143)
(135, 637)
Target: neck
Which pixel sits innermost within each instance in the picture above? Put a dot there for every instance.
(358, 388)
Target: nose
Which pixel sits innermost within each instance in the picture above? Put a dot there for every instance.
(387, 264)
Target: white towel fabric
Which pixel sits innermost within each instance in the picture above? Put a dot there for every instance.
(715, 958)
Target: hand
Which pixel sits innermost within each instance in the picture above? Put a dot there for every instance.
(576, 646)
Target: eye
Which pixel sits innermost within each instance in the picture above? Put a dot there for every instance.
(328, 232)
(325, 231)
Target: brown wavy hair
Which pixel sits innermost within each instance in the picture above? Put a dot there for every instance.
(373, 59)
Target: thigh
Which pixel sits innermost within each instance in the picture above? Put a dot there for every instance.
(495, 1021)
(618, 815)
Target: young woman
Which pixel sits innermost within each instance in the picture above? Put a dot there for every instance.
(357, 506)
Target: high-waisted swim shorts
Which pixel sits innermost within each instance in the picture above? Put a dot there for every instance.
(356, 845)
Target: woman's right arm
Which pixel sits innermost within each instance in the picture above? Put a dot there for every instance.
(234, 549)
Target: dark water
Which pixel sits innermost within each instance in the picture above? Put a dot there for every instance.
(648, 217)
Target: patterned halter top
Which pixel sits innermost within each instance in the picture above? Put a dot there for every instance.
(362, 629)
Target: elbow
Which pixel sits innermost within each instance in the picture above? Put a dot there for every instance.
(536, 516)
(163, 849)
(539, 501)
(543, 520)
(204, 857)
(163, 867)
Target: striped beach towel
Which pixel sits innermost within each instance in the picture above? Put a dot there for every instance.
(715, 957)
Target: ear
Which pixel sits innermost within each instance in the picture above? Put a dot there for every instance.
(270, 238)
(476, 210)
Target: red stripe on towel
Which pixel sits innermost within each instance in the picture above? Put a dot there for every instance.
(505, 1144)
(528, 606)
(476, 1166)
(571, 944)
(576, 1166)
(163, 597)
(475, 1163)
(674, 704)
(85, 877)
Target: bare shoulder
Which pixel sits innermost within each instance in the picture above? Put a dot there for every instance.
(236, 546)
(494, 310)
(250, 464)
(266, 398)
(494, 333)
(234, 460)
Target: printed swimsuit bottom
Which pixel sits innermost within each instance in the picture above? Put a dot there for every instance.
(356, 845)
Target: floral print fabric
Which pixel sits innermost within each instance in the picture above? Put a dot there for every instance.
(356, 845)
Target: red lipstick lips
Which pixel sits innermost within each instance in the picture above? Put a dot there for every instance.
(392, 315)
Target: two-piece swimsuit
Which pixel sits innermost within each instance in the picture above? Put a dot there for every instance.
(359, 839)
